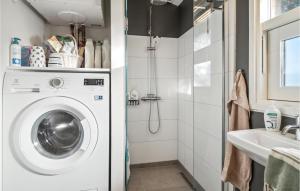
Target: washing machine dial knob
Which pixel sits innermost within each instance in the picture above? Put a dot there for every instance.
(57, 82)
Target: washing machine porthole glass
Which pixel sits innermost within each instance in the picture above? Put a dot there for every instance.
(57, 134)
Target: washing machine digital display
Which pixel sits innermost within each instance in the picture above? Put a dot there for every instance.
(94, 82)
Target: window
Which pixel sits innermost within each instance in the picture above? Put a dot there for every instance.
(290, 75)
(275, 55)
(282, 52)
(273, 8)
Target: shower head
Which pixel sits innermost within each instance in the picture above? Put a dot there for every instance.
(159, 2)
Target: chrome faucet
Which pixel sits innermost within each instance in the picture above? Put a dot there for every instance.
(296, 127)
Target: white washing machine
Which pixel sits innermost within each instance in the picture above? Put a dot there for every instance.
(56, 131)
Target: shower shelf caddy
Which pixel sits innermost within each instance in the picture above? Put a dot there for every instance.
(133, 102)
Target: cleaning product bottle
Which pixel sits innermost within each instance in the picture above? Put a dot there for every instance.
(89, 54)
(98, 55)
(106, 54)
(272, 118)
(15, 52)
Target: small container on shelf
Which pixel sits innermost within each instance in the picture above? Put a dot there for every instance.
(55, 60)
(89, 54)
(133, 98)
(67, 55)
(98, 55)
(37, 57)
(106, 54)
(15, 52)
(25, 56)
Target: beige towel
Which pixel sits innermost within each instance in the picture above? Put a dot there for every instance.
(237, 165)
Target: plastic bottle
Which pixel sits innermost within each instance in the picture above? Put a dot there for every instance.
(106, 54)
(272, 118)
(98, 55)
(15, 52)
(89, 54)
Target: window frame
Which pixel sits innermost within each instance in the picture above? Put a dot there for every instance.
(258, 79)
(276, 58)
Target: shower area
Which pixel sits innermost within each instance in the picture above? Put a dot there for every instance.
(152, 91)
(175, 91)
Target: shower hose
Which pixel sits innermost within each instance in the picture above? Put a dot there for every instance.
(153, 69)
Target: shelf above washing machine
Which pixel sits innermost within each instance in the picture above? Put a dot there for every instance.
(77, 70)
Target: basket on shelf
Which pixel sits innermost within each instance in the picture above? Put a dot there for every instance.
(73, 60)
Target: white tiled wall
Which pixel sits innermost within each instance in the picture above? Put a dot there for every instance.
(185, 100)
(145, 147)
(208, 104)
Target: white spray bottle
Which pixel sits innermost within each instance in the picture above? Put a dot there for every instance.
(15, 52)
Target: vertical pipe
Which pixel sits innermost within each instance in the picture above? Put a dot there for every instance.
(152, 74)
(150, 26)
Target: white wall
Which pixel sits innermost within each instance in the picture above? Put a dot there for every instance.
(145, 147)
(1, 77)
(185, 99)
(208, 69)
(118, 103)
(20, 21)
(93, 33)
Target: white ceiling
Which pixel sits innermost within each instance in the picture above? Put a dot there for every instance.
(64, 12)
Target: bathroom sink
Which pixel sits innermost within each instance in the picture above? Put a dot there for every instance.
(257, 143)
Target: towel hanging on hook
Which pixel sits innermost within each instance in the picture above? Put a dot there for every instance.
(240, 70)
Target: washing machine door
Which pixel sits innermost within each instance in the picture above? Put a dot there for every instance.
(54, 135)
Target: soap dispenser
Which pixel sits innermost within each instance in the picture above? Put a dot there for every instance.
(272, 118)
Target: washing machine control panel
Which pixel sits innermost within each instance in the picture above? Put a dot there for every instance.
(93, 82)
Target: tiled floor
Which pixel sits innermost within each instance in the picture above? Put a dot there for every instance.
(162, 178)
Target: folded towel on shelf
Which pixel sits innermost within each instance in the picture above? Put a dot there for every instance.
(237, 165)
(283, 170)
